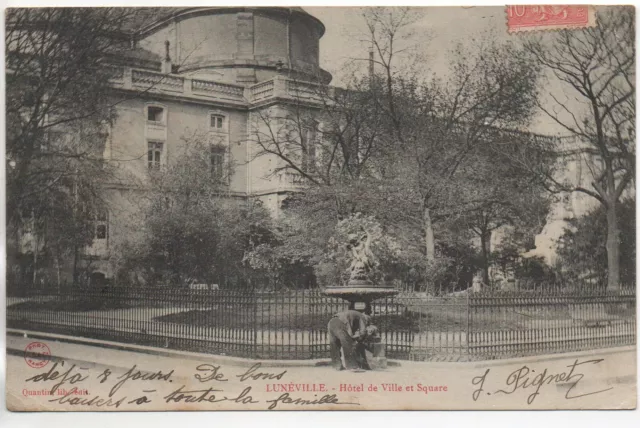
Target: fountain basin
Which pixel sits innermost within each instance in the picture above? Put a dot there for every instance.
(360, 293)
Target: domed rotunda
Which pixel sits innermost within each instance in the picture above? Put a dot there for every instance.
(238, 44)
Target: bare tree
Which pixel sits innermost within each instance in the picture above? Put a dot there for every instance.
(403, 131)
(502, 195)
(326, 142)
(596, 68)
(434, 125)
(58, 115)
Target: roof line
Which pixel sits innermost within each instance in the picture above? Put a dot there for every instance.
(185, 12)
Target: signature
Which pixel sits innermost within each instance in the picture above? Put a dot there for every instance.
(525, 378)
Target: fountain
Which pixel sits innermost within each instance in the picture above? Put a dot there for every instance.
(360, 290)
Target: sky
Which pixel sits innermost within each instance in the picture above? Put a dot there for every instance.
(441, 28)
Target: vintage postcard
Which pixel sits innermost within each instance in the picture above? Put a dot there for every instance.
(320, 208)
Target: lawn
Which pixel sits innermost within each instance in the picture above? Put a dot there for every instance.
(75, 304)
(315, 317)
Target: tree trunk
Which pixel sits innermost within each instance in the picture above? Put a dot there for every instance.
(613, 248)
(34, 233)
(429, 239)
(34, 278)
(485, 244)
(58, 271)
(74, 274)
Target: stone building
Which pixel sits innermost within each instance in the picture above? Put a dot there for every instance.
(212, 72)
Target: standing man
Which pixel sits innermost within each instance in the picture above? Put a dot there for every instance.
(347, 330)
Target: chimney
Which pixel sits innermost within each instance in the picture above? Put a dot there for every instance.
(166, 63)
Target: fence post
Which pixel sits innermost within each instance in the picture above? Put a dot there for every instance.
(255, 322)
(468, 323)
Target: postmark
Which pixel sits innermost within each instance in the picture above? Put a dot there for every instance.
(549, 17)
(37, 354)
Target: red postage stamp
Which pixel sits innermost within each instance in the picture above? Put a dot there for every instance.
(37, 354)
(549, 17)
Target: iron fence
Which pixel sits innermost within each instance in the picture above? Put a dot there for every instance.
(517, 323)
(292, 324)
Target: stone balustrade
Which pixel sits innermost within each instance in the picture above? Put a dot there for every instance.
(216, 89)
(149, 79)
(155, 82)
(304, 90)
(262, 91)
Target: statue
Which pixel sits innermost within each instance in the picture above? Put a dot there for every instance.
(361, 342)
(363, 260)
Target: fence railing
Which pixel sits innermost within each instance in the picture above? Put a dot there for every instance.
(504, 324)
(293, 324)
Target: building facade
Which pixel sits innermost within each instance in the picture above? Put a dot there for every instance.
(215, 73)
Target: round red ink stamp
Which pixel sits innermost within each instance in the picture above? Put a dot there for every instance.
(37, 354)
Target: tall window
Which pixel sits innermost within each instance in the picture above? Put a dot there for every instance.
(102, 226)
(217, 162)
(308, 142)
(216, 122)
(155, 114)
(154, 155)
